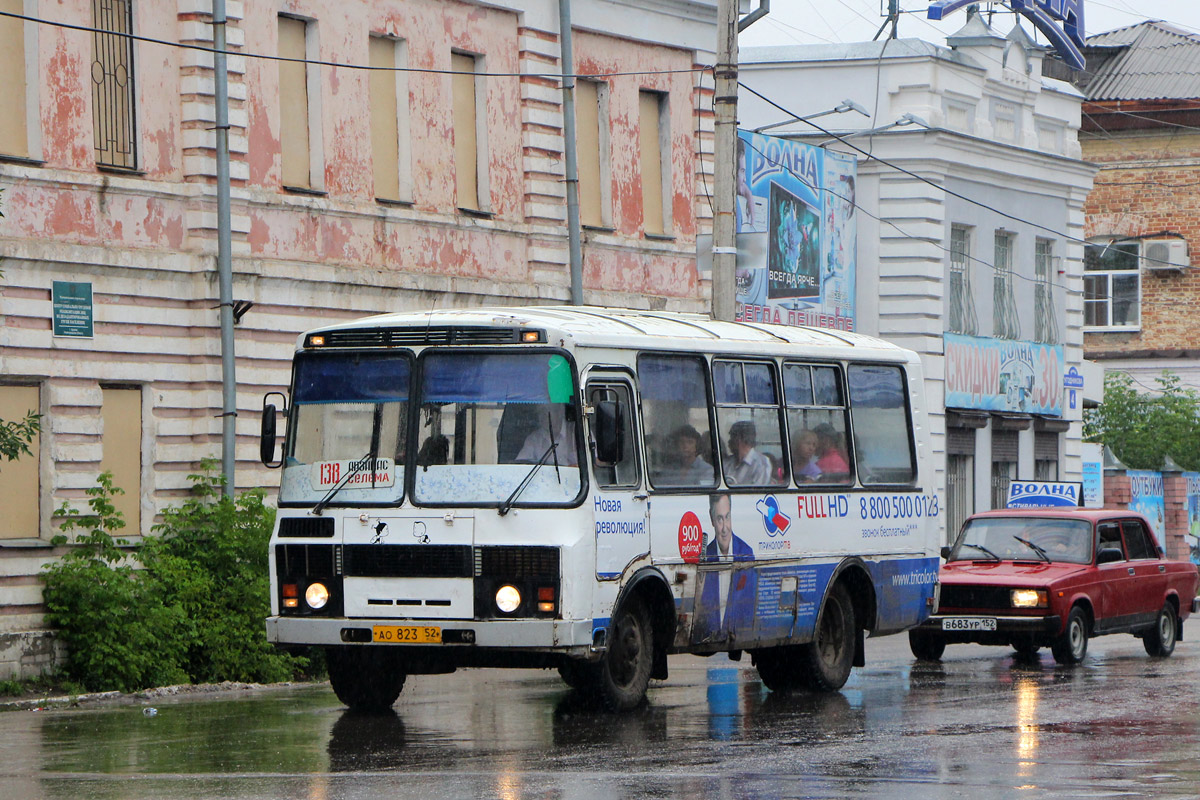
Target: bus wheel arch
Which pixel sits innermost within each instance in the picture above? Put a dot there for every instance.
(652, 588)
(853, 574)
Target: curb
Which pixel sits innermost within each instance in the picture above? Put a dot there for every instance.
(132, 698)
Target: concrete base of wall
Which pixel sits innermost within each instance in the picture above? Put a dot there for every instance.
(29, 654)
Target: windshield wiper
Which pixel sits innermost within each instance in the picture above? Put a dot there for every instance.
(512, 498)
(981, 548)
(1041, 551)
(358, 467)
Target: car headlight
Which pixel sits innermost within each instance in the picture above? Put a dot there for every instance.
(316, 595)
(1029, 598)
(508, 598)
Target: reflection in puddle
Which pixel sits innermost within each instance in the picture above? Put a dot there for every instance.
(1027, 688)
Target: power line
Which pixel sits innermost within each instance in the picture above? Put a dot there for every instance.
(556, 76)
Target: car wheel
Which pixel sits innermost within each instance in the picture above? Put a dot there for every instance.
(826, 661)
(1071, 646)
(1026, 651)
(1161, 640)
(365, 678)
(619, 681)
(926, 646)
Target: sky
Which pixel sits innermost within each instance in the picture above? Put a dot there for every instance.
(825, 21)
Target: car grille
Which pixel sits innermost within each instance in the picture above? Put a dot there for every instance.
(998, 597)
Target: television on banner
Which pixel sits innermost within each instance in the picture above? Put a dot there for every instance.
(795, 233)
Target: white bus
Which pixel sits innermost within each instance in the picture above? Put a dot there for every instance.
(592, 490)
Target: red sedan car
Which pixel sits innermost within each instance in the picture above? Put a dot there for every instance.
(1033, 578)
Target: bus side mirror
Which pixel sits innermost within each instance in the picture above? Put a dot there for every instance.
(266, 439)
(609, 432)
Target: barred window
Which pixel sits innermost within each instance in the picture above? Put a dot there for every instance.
(1045, 321)
(112, 84)
(962, 301)
(1005, 323)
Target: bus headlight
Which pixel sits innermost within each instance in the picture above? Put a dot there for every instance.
(1029, 598)
(316, 595)
(508, 598)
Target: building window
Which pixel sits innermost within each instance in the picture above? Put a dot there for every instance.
(121, 448)
(388, 92)
(14, 123)
(960, 490)
(653, 139)
(20, 488)
(962, 301)
(1004, 465)
(1112, 285)
(470, 136)
(592, 148)
(1045, 320)
(112, 84)
(1005, 323)
(298, 137)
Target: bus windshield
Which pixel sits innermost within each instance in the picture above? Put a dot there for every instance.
(347, 409)
(487, 420)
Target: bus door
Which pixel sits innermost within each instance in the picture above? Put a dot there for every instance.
(619, 503)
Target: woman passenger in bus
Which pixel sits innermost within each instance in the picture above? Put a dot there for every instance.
(690, 468)
(804, 457)
(831, 455)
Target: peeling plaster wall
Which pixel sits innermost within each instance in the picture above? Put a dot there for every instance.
(146, 239)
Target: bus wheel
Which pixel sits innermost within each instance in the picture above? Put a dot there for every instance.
(365, 678)
(826, 661)
(624, 672)
(573, 674)
(777, 668)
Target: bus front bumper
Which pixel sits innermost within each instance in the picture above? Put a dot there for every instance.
(572, 637)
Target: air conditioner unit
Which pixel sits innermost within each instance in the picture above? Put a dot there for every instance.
(1165, 255)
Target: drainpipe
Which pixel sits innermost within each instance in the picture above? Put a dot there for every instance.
(224, 251)
(567, 57)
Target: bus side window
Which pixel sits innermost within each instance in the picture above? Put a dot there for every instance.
(675, 413)
(748, 415)
(624, 473)
(816, 418)
(879, 405)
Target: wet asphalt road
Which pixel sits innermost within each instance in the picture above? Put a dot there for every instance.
(979, 725)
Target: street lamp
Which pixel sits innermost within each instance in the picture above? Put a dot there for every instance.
(903, 121)
(840, 108)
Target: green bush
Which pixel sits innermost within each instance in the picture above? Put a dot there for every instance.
(186, 606)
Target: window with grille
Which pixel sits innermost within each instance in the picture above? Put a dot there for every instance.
(1112, 285)
(962, 302)
(1005, 324)
(112, 84)
(1045, 321)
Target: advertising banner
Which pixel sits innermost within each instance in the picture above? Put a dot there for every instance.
(796, 233)
(1044, 494)
(1193, 512)
(1003, 375)
(1148, 498)
(1093, 474)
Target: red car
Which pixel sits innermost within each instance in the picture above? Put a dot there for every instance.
(1033, 578)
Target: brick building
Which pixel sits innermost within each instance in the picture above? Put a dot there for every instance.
(1141, 127)
(435, 179)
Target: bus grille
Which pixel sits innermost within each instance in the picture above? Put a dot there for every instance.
(306, 527)
(293, 560)
(517, 562)
(996, 597)
(409, 337)
(407, 561)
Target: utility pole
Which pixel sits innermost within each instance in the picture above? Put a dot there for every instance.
(725, 78)
(224, 250)
(566, 56)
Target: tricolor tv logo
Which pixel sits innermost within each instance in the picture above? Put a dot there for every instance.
(775, 521)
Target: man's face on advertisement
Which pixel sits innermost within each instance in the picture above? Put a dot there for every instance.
(722, 525)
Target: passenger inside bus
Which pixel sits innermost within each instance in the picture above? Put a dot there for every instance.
(689, 467)
(804, 456)
(552, 421)
(831, 452)
(746, 466)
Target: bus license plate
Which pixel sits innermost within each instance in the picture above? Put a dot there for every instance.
(406, 634)
(969, 624)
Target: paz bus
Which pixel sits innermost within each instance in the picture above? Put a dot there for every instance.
(591, 490)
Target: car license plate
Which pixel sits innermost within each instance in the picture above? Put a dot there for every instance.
(406, 634)
(969, 624)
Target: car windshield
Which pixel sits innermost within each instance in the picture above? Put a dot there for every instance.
(996, 538)
(496, 429)
(347, 408)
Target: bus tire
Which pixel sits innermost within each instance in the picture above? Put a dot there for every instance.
(777, 668)
(619, 681)
(826, 661)
(365, 678)
(573, 674)
(926, 646)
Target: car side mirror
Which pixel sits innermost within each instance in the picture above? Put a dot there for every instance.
(608, 431)
(945, 553)
(1109, 554)
(267, 434)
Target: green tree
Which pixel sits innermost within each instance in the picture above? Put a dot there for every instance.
(1143, 428)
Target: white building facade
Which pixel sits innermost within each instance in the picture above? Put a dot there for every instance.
(970, 221)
